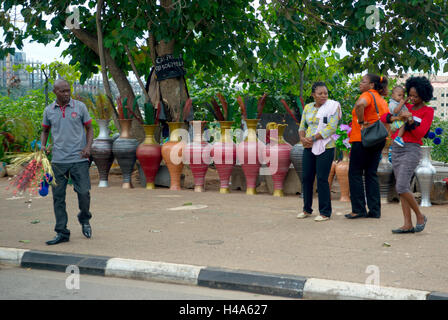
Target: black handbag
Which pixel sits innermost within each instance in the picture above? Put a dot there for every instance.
(375, 133)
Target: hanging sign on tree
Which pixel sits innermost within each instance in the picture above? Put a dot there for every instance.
(168, 67)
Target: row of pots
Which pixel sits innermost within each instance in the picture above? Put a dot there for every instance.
(198, 154)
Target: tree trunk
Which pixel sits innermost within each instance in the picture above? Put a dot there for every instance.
(173, 91)
(120, 79)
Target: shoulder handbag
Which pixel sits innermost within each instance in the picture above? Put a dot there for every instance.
(375, 133)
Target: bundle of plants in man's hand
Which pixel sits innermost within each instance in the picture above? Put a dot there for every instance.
(36, 173)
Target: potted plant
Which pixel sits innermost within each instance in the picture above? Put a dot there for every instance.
(341, 138)
(149, 152)
(124, 148)
(249, 152)
(101, 152)
(224, 150)
(425, 171)
(172, 150)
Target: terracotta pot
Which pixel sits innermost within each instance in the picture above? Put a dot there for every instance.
(278, 152)
(342, 176)
(197, 155)
(224, 156)
(124, 149)
(102, 153)
(172, 154)
(332, 173)
(149, 154)
(249, 154)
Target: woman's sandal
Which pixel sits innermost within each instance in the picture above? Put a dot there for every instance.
(399, 230)
(420, 227)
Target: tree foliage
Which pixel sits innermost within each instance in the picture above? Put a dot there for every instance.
(281, 47)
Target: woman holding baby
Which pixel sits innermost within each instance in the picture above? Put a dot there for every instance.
(405, 159)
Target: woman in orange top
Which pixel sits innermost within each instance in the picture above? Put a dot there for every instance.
(365, 161)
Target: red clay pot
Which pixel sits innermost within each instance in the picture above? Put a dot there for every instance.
(224, 156)
(197, 155)
(249, 154)
(278, 152)
(149, 154)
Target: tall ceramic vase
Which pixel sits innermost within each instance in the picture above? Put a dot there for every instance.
(296, 156)
(102, 153)
(342, 176)
(124, 149)
(249, 154)
(385, 173)
(224, 155)
(425, 176)
(278, 152)
(197, 155)
(172, 154)
(149, 154)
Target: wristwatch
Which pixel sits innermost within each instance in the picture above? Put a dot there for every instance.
(313, 138)
(360, 122)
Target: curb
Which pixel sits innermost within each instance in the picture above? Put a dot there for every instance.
(219, 278)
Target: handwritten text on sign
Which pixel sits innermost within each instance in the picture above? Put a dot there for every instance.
(168, 67)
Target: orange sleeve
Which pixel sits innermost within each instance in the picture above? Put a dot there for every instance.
(366, 96)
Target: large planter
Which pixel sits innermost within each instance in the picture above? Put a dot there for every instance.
(385, 174)
(342, 176)
(332, 174)
(425, 172)
(197, 155)
(224, 155)
(278, 152)
(149, 154)
(102, 153)
(172, 155)
(296, 156)
(249, 154)
(124, 149)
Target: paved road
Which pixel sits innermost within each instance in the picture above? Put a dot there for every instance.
(26, 284)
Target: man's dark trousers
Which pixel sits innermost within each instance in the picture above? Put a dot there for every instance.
(79, 173)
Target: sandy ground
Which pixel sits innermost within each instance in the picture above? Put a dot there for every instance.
(259, 233)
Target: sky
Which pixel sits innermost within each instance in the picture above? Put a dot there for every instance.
(37, 52)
